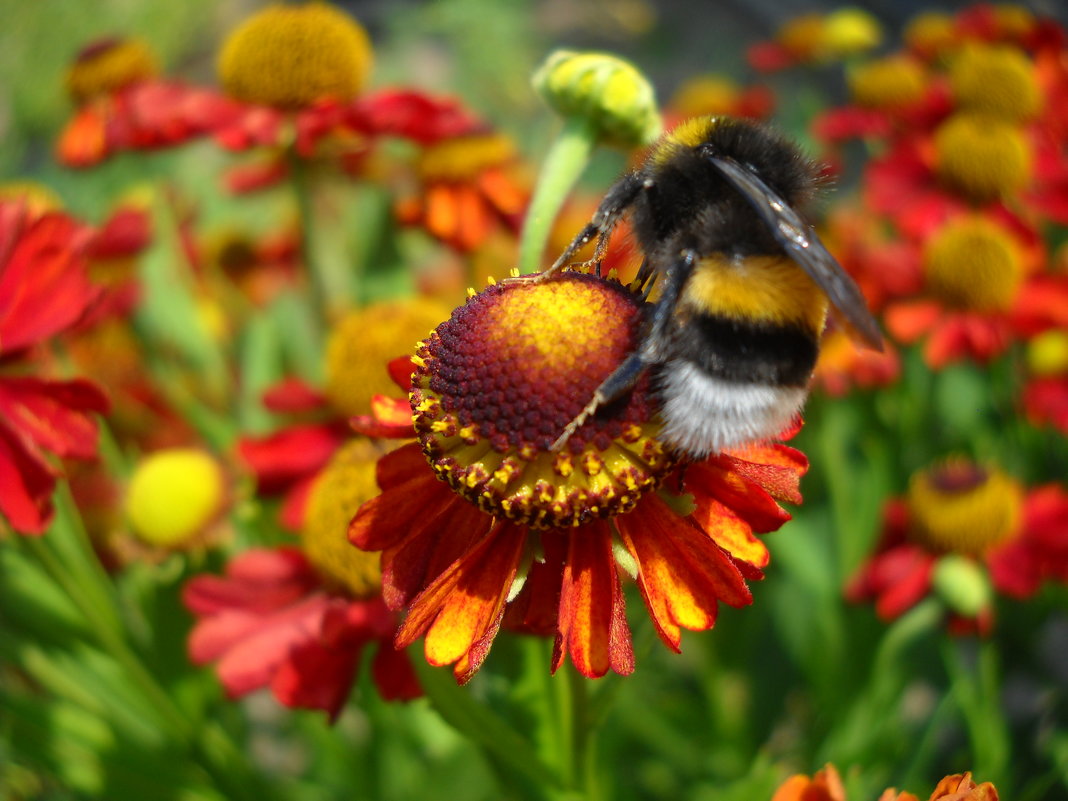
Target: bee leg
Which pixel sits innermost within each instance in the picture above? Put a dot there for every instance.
(651, 351)
(622, 379)
(618, 199)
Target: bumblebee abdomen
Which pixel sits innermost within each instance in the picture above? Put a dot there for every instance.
(767, 290)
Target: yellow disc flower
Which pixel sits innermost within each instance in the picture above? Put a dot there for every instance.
(291, 56)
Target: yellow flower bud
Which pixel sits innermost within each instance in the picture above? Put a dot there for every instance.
(173, 495)
(608, 91)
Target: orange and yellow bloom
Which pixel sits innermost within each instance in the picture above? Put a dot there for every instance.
(481, 524)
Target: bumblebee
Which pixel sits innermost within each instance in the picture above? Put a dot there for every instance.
(744, 283)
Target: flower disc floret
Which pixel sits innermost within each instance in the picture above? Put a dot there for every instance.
(292, 56)
(965, 508)
(107, 65)
(973, 264)
(997, 81)
(498, 382)
(984, 158)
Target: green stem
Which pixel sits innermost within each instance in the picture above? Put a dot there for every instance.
(563, 165)
(485, 728)
(976, 690)
(329, 294)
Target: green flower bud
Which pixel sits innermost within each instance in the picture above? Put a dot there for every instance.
(962, 584)
(606, 90)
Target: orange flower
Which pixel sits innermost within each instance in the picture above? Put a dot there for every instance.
(825, 785)
(499, 528)
(471, 185)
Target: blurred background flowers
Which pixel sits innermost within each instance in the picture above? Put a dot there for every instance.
(226, 226)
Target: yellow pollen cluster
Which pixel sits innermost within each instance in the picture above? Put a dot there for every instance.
(973, 264)
(998, 81)
(464, 157)
(365, 341)
(888, 83)
(108, 66)
(346, 484)
(983, 158)
(960, 507)
(291, 56)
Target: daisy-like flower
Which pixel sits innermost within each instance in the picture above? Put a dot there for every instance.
(44, 289)
(812, 39)
(1045, 395)
(298, 74)
(980, 290)
(471, 186)
(123, 104)
(480, 523)
(288, 461)
(297, 620)
(961, 530)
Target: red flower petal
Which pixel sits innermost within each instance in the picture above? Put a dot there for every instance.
(592, 620)
(682, 574)
(460, 611)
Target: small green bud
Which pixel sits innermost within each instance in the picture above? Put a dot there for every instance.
(962, 584)
(611, 93)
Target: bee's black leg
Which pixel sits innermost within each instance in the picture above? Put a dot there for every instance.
(618, 199)
(622, 379)
(651, 350)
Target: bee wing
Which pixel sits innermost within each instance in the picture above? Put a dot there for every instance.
(805, 248)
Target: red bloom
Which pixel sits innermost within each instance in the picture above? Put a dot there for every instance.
(44, 289)
(1019, 540)
(269, 623)
(149, 115)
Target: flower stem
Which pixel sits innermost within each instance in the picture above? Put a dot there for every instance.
(485, 728)
(328, 295)
(975, 687)
(563, 165)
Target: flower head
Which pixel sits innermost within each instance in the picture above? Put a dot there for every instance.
(495, 385)
(471, 185)
(962, 530)
(536, 539)
(297, 621)
(288, 57)
(107, 65)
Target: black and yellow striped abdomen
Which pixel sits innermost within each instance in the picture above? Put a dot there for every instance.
(757, 318)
